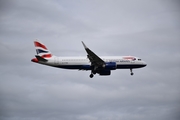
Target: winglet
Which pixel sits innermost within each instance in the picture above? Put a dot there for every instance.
(84, 45)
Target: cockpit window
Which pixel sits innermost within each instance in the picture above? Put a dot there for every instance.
(139, 59)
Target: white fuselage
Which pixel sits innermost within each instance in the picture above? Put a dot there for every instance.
(83, 63)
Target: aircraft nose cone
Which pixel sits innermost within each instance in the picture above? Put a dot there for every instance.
(144, 64)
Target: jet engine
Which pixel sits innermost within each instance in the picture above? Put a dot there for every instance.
(105, 72)
(110, 66)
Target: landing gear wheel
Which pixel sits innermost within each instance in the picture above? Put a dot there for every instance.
(91, 75)
(132, 73)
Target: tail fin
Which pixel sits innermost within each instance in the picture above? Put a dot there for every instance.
(42, 50)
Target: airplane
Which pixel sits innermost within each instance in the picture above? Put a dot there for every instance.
(97, 65)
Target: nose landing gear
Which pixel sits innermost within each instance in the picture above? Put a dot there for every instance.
(131, 72)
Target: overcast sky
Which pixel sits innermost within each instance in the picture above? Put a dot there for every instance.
(144, 28)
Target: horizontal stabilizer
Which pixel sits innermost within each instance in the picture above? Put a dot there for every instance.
(41, 58)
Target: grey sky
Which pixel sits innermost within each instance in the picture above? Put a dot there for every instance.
(144, 28)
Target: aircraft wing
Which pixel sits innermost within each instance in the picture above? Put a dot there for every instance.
(94, 59)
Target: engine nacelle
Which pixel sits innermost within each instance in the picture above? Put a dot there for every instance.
(110, 66)
(105, 72)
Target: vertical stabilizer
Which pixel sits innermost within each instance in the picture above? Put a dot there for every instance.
(42, 50)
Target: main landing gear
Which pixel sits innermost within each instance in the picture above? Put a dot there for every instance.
(93, 72)
(131, 72)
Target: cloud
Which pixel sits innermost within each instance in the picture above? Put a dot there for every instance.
(147, 29)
